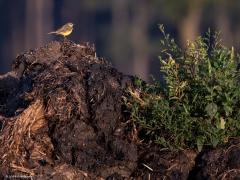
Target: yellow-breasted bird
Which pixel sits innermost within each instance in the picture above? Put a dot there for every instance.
(65, 30)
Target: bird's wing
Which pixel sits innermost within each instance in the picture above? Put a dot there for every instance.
(61, 29)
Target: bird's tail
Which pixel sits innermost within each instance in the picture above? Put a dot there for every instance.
(53, 32)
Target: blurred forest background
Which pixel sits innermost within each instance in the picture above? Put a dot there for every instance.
(125, 32)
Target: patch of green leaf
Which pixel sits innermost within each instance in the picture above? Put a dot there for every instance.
(199, 103)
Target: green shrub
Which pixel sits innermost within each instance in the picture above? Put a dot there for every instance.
(199, 102)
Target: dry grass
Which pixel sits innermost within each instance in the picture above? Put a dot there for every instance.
(25, 139)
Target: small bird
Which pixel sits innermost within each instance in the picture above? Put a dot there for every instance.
(65, 30)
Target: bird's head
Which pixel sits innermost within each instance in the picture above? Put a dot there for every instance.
(70, 24)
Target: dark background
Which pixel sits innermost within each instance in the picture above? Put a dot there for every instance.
(125, 32)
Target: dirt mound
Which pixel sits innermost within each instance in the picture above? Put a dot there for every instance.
(70, 112)
(62, 116)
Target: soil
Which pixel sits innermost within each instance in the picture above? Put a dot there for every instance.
(62, 116)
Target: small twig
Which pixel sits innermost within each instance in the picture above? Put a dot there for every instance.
(229, 171)
(23, 169)
(149, 168)
(174, 165)
(149, 176)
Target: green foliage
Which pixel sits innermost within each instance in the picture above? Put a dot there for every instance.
(199, 103)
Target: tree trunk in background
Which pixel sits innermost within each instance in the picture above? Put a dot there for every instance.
(120, 41)
(139, 35)
(223, 24)
(86, 27)
(189, 27)
(17, 28)
(39, 21)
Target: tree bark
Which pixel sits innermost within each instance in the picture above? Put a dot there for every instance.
(120, 44)
(39, 21)
(223, 24)
(139, 35)
(190, 25)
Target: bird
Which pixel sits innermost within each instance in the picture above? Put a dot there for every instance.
(64, 31)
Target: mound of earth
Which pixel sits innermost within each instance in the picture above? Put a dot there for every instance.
(62, 116)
